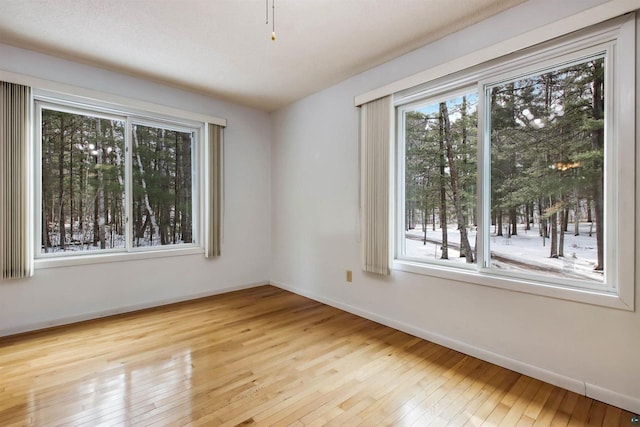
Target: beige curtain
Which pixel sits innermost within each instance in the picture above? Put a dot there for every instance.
(15, 254)
(215, 163)
(375, 150)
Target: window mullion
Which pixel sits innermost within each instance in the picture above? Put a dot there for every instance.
(128, 184)
(484, 180)
(196, 154)
(37, 181)
(399, 187)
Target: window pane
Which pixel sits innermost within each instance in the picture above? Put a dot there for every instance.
(82, 183)
(440, 180)
(162, 190)
(547, 168)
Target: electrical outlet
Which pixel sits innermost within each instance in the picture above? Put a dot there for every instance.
(349, 276)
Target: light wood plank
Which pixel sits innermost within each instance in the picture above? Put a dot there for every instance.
(265, 356)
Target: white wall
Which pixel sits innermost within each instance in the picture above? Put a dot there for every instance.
(315, 238)
(58, 295)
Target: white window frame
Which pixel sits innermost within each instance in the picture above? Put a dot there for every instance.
(130, 116)
(430, 99)
(611, 38)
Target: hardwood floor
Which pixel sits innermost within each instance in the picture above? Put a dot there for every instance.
(265, 356)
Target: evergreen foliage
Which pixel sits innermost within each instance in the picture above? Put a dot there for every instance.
(83, 184)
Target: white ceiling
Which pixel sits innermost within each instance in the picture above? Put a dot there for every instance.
(223, 47)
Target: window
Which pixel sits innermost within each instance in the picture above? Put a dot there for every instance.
(518, 173)
(83, 196)
(113, 181)
(547, 148)
(440, 151)
(162, 186)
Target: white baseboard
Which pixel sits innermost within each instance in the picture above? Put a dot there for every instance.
(126, 309)
(628, 403)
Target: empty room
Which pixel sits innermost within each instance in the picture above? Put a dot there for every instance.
(319, 212)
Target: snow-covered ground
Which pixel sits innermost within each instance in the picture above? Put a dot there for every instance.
(83, 242)
(523, 252)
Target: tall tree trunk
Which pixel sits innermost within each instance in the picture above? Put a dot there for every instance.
(71, 189)
(513, 172)
(553, 221)
(465, 248)
(187, 219)
(513, 219)
(140, 225)
(119, 164)
(425, 212)
(46, 242)
(597, 143)
(96, 223)
(443, 195)
(161, 208)
(100, 195)
(176, 190)
(576, 228)
(81, 200)
(47, 164)
(563, 228)
(145, 194)
(543, 221)
(465, 184)
(413, 218)
(61, 218)
(407, 217)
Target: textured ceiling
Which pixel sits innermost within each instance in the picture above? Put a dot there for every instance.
(223, 47)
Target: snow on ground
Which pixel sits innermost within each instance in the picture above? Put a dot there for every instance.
(83, 242)
(523, 252)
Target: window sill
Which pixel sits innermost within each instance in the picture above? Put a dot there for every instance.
(601, 298)
(76, 260)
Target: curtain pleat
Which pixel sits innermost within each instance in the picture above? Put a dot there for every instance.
(375, 146)
(15, 259)
(215, 160)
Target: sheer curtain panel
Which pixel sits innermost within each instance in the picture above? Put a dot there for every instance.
(375, 149)
(215, 196)
(15, 254)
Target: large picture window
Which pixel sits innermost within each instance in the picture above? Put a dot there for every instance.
(519, 174)
(547, 147)
(112, 182)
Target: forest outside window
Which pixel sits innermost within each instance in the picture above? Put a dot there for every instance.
(440, 172)
(112, 182)
(520, 178)
(547, 145)
(162, 186)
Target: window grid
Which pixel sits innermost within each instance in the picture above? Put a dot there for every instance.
(130, 120)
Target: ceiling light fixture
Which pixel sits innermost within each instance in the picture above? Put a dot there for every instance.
(273, 17)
